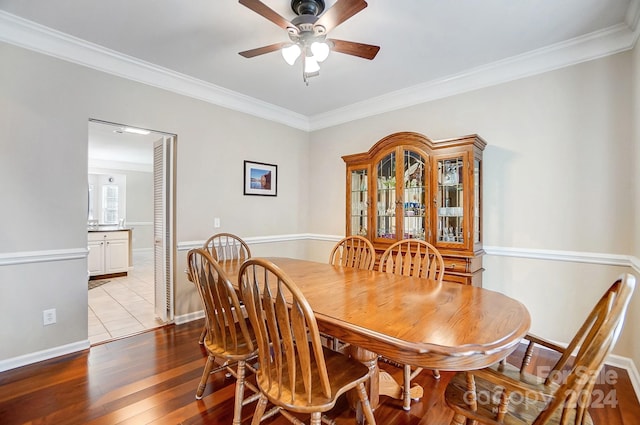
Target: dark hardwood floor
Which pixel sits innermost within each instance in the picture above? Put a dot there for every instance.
(151, 378)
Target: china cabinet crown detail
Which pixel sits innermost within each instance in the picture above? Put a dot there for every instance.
(408, 186)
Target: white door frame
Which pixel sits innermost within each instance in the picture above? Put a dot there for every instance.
(168, 240)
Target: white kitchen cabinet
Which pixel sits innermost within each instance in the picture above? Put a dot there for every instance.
(109, 252)
(95, 260)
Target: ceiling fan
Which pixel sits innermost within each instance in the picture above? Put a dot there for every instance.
(308, 33)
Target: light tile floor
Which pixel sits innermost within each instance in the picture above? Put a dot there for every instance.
(124, 305)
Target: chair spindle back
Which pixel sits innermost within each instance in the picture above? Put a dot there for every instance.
(413, 257)
(292, 365)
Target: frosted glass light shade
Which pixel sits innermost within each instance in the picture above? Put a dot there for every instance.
(320, 50)
(311, 65)
(291, 53)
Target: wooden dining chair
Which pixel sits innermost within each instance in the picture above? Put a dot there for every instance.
(418, 258)
(505, 394)
(229, 337)
(224, 247)
(227, 246)
(353, 251)
(296, 374)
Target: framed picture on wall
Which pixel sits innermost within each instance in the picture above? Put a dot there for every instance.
(260, 179)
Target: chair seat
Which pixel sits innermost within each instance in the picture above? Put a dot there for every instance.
(345, 373)
(514, 373)
(522, 410)
(231, 352)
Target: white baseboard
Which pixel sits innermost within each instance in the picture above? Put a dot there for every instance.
(47, 354)
(628, 365)
(189, 317)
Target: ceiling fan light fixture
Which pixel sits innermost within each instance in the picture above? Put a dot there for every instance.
(320, 50)
(311, 65)
(308, 31)
(291, 53)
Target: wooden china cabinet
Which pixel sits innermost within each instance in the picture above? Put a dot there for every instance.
(408, 186)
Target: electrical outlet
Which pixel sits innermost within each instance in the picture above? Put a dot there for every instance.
(49, 316)
(216, 222)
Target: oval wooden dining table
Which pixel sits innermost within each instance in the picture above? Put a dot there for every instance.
(416, 321)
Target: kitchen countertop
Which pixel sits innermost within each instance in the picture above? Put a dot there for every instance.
(108, 228)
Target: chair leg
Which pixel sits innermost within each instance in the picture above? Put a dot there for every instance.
(366, 406)
(237, 408)
(260, 408)
(436, 373)
(205, 376)
(327, 420)
(458, 420)
(203, 334)
(316, 418)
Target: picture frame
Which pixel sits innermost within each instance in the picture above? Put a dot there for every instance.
(260, 178)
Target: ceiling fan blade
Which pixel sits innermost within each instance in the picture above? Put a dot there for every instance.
(366, 51)
(262, 50)
(266, 12)
(340, 12)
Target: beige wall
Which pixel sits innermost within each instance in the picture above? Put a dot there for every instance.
(559, 175)
(558, 156)
(633, 323)
(45, 105)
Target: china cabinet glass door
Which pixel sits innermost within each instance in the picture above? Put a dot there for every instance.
(358, 216)
(386, 197)
(449, 201)
(477, 220)
(413, 205)
(400, 196)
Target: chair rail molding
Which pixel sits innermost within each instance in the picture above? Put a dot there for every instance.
(26, 257)
(13, 258)
(570, 256)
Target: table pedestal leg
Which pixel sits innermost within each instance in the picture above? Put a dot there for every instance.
(370, 359)
(381, 383)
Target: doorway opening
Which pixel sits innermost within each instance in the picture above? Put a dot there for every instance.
(130, 229)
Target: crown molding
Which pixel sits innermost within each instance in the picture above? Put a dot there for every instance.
(581, 49)
(33, 36)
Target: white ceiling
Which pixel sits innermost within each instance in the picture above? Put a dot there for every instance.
(429, 48)
(110, 147)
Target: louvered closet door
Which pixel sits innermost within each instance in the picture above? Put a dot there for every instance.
(163, 227)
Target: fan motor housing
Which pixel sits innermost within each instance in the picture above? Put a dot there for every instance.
(307, 7)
